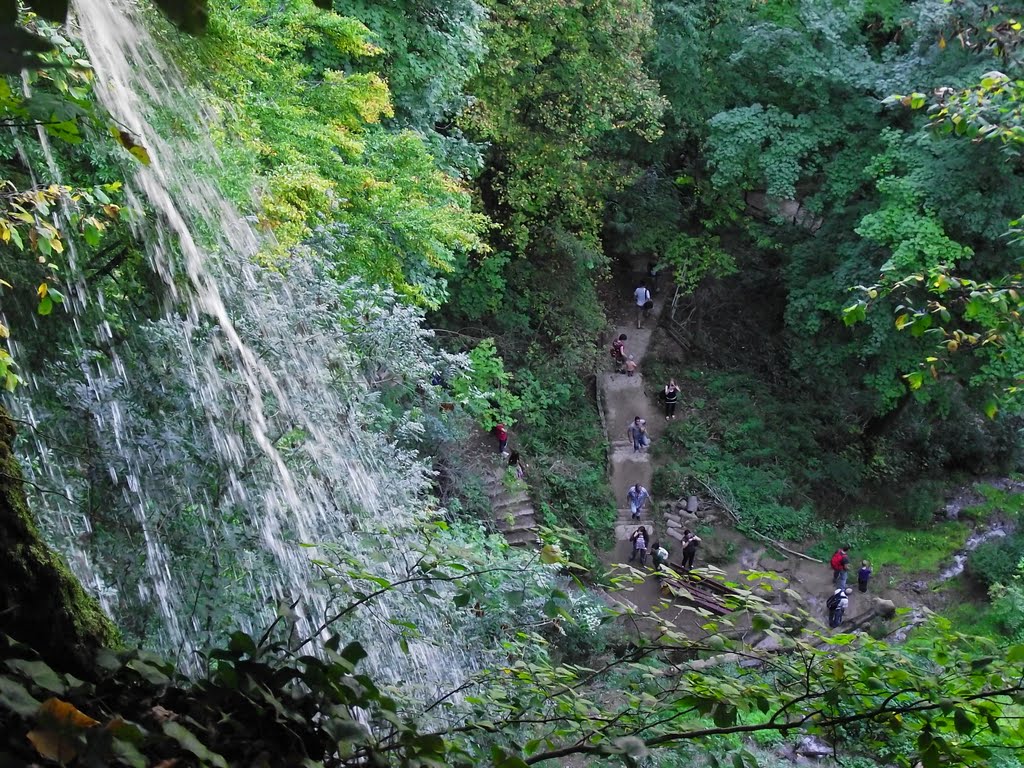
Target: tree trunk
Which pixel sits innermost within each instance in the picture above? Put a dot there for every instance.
(42, 604)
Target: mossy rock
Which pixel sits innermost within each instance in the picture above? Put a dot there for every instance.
(44, 605)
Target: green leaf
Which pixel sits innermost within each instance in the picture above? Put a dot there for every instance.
(188, 741)
(45, 304)
(964, 725)
(149, 673)
(14, 697)
(40, 674)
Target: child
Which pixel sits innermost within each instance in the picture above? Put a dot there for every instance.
(502, 434)
(630, 366)
(863, 575)
(659, 556)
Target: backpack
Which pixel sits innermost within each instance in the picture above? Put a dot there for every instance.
(837, 560)
(833, 602)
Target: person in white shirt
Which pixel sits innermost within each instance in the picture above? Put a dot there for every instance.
(642, 296)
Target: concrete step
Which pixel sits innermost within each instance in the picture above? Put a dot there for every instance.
(526, 524)
(515, 514)
(500, 503)
(624, 530)
(522, 538)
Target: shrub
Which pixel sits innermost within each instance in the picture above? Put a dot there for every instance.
(918, 506)
(995, 562)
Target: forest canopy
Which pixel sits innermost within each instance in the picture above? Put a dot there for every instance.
(273, 275)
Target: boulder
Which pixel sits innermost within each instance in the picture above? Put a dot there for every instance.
(676, 533)
(692, 504)
(886, 608)
(813, 747)
(673, 522)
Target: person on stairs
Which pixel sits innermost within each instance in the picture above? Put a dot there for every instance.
(690, 543)
(637, 432)
(642, 296)
(516, 465)
(659, 557)
(618, 352)
(501, 432)
(671, 397)
(639, 542)
(637, 496)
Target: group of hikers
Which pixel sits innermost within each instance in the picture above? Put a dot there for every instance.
(839, 601)
(640, 539)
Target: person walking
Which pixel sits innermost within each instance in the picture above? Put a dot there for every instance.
(659, 556)
(671, 396)
(639, 540)
(836, 606)
(642, 297)
(637, 496)
(840, 562)
(515, 463)
(637, 432)
(630, 366)
(502, 434)
(863, 575)
(690, 543)
(618, 351)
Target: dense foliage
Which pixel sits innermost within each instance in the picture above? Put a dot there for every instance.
(834, 191)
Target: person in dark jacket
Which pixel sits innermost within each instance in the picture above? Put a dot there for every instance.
(863, 576)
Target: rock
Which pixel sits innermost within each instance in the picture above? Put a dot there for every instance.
(812, 746)
(676, 533)
(692, 504)
(886, 608)
(673, 522)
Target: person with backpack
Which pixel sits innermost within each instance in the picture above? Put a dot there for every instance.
(671, 397)
(642, 297)
(690, 543)
(637, 496)
(863, 576)
(840, 561)
(836, 606)
(639, 541)
(502, 434)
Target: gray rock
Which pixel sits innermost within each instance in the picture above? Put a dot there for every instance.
(812, 746)
(692, 504)
(885, 608)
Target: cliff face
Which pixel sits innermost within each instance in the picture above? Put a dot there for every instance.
(42, 604)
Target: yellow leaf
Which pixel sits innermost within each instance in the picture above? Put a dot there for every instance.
(5, 284)
(942, 42)
(59, 725)
(4, 331)
(42, 290)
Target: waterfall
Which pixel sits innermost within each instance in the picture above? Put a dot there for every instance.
(246, 373)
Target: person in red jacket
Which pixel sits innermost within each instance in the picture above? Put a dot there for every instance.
(502, 434)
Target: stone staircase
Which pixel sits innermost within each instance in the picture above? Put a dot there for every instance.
(514, 515)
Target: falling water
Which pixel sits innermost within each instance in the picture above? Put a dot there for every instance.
(252, 355)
